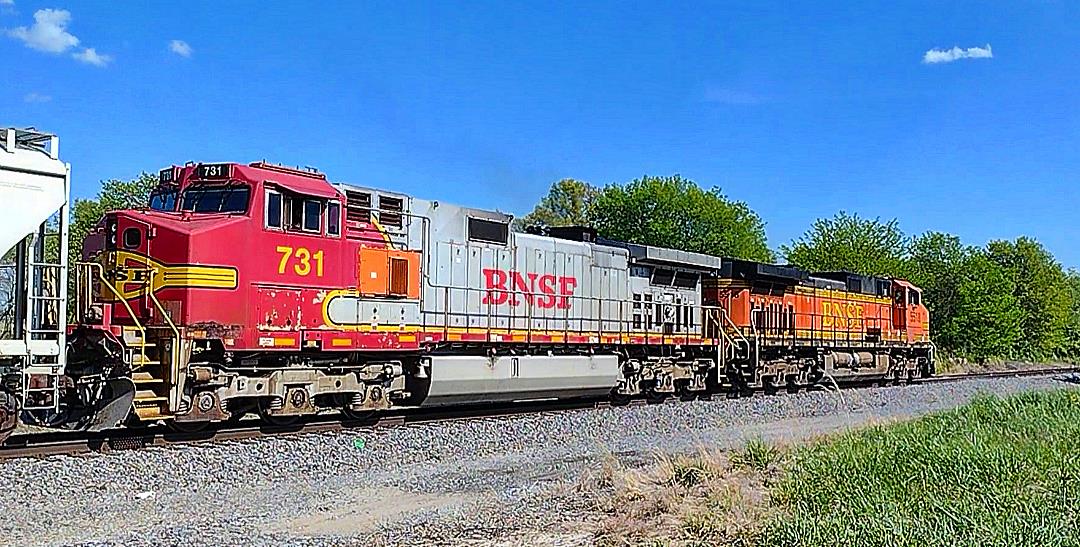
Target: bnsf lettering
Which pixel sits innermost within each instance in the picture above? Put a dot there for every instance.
(841, 314)
(540, 290)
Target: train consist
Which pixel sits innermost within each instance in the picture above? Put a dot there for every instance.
(259, 288)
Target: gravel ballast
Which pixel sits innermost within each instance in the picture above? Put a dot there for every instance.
(494, 481)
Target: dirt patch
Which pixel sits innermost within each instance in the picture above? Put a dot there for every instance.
(360, 514)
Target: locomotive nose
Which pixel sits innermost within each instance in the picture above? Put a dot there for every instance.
(130, 233)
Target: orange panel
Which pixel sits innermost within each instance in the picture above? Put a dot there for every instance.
(373, 271)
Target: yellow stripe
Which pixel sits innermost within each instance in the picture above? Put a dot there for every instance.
(337, 342)
(284, 342)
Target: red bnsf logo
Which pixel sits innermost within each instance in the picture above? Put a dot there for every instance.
(540, 290)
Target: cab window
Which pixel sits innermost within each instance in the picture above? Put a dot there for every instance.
(164, 199)
(312, 216)
(303, 214)
(913, 298)
(232, 198)
(273, 209)
(333, 218)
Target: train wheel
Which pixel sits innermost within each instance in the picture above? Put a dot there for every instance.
(275, 420)
(9, 414)
(618, 399)
(363, 416)
(769, 385)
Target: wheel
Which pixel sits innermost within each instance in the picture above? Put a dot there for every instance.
(618, 399)
(9, 414)
(274, 420)
(358, 415)
(769, 385)
(654, 397)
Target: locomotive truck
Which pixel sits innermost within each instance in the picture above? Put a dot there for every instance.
(267, 289)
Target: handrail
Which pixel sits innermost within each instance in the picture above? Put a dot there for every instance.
(131, 312)
(174, 351)
(735, 328)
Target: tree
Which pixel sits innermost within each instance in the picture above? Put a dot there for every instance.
(1041, 291)
(936, 264)
(985, 321)
(850, 243)
(677, 213)
(1071, 347)
(973, 310)
(566, 204)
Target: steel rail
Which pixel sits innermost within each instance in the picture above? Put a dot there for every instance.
(40, 444)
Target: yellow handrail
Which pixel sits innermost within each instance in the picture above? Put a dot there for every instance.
(100, 270)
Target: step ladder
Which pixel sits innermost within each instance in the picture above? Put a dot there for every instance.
(148, 354)
(45, 322)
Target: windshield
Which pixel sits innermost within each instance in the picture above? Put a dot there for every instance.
(215, 199)
(164, 199)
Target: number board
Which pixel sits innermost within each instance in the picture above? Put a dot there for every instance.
(166, 175)
(214, 171)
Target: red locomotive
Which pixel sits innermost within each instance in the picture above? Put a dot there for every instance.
(262, 288)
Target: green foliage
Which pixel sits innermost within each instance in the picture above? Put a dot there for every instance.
(1042, 294)
(973, 310)
(993, 472)
(986, 320)
(848, 242)
(676, 212)
(1071, 346)
(566, 204)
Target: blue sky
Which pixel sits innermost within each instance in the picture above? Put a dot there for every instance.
(799, 111)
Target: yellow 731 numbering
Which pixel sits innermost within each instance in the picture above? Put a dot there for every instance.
(301, 259)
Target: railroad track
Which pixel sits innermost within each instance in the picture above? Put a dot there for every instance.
(76, 442)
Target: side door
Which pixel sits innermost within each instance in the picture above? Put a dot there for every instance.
(900, 309)
(915, 317)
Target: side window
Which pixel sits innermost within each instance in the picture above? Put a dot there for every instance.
(488, 231)
(312, 216)
(273, 209)
(333, 218)
(294, 214)
(914, 297)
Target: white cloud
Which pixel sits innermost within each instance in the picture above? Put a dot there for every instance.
(48, 33)
(955, 54)
(92, 57)
(35, 97)
(180, 48)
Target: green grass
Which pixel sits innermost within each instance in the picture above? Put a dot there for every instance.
(757, 455)
(993, 472)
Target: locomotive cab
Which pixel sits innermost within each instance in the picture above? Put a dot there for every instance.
(909, 313)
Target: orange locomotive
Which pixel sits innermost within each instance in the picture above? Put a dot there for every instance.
(801, 327)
